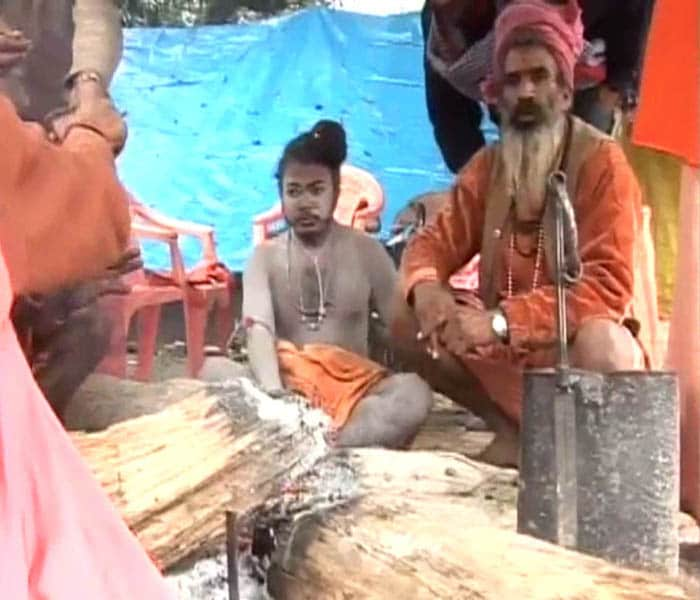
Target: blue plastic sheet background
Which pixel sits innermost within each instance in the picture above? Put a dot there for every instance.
(211, 108)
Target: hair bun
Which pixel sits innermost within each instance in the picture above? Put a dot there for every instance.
(329, 137)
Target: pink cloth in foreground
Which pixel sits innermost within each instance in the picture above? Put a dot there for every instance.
(60, 536)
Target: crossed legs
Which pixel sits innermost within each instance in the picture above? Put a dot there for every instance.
(390, 415)
(600, 345)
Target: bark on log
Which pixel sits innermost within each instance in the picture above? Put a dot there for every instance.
(427, 525)
(172, 474)
(357, 524)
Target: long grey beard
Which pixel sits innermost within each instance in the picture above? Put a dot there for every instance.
(529, 157)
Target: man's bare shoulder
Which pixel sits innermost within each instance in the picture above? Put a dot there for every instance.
(265, 253)
(361, 241)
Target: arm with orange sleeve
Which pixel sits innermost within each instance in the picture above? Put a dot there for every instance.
(444, 246)
(608, 207)
(64, 216)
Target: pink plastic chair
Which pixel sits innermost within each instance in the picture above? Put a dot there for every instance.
(360, 205)
(206, 285)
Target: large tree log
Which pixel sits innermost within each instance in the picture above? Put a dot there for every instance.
(359, 524)
(426, 525)
(173, 473)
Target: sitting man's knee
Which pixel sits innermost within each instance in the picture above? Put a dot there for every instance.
(415, 398)
(605, 346)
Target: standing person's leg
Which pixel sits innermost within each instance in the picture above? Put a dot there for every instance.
(70, 355)
(70, 337)
(456, 119)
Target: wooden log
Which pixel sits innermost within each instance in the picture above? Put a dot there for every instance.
(426, 525)
(103, 400)
(172, 474)
(362, 524)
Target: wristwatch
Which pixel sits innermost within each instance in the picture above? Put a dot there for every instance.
(499, 324)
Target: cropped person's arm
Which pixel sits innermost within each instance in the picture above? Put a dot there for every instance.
(98, 38)
(384, 278)
(64, 216)
(259, 317)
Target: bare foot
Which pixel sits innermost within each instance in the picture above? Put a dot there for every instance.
(503, 451)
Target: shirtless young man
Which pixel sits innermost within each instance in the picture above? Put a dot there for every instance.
(307, 299)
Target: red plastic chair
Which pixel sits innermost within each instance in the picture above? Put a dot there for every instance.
(208, 284)
(360, 205)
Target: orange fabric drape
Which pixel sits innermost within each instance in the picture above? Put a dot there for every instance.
(668, 116)
(668, 119)
(684, 339)
(331, 378)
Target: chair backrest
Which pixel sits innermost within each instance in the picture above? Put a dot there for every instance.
(361, 198)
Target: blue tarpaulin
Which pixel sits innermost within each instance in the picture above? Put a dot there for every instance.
(211, 108)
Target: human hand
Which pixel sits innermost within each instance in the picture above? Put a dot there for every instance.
(13, 48)
(129, 262)
(276, 392)
(86, 87)
(434, 306)
(113, 283)
(468, 329)
(92, 111)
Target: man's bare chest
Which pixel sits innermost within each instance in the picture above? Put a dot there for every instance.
(335, 284)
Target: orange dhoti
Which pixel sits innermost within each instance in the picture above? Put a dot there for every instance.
(329, 377)
(500, 369)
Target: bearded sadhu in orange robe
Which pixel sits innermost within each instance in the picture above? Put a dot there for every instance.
(64, 218)
(474, 348)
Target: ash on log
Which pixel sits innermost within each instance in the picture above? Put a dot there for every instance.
(172, 473)
(420, 525)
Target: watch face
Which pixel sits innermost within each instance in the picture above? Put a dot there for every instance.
(499, 324)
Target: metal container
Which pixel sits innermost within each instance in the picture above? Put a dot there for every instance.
(619, 501)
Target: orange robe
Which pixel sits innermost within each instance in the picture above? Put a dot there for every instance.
(607, 201)
(64, 217)
(329, 377)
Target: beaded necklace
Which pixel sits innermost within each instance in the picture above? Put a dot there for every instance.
(312, 318)
(538, 259)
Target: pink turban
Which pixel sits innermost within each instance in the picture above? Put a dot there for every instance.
(559, 27)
